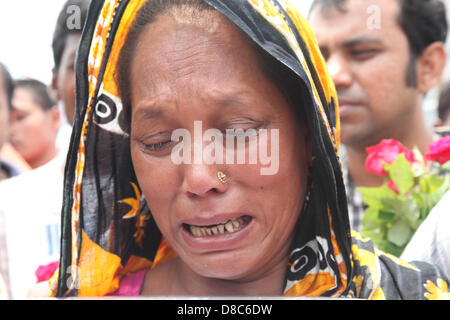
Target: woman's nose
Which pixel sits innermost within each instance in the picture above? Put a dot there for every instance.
(201, 180)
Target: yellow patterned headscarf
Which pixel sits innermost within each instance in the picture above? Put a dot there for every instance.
(108, 231)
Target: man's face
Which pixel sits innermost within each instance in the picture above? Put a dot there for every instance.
(33, 130)
(64, 82)
(367, 55)
(4, 114)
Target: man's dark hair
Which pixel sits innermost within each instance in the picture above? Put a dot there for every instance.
(422, 21)
(7, 81)
(64, 28)
(39, 92)
(444, 102)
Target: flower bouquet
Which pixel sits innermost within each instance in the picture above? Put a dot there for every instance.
(413, 185)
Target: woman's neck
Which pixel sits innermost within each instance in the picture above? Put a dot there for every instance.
(177, 279)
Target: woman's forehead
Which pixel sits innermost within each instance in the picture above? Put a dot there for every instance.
(170, 34)
(171, 52)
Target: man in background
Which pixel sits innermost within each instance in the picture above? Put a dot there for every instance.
(7, 169)
(384, 56)
(35, 121)
(443, 120)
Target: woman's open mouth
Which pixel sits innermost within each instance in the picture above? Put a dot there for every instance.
(230, 226)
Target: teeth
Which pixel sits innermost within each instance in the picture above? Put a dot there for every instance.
(230, 226)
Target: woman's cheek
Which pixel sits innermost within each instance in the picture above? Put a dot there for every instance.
(157, 177)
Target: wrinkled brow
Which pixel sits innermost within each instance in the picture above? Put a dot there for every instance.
(148, 113)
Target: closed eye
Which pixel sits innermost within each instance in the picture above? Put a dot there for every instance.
(156, 146)
(363, 54)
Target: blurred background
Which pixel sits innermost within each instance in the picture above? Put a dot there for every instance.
(26, 28)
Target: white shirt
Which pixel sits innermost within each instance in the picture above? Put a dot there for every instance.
(31, 204)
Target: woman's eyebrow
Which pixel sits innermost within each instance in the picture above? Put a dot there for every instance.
(229, 100)
(147, 113)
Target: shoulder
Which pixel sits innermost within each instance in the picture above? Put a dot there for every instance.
(52, 171)
(378, 275)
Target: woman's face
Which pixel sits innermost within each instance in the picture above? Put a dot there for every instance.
(185, 74)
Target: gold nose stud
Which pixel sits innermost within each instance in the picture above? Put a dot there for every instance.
(222, 177)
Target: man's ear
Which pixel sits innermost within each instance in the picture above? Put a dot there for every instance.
(438, 123)
(55, 115)
(430, 66)
(54, 92)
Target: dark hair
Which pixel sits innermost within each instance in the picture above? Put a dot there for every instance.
(444, 102)
(275, 71)
(7, 82)
(65, 27)
(422, 21)
(39, 93)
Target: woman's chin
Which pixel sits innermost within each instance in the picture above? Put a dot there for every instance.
(228, 267)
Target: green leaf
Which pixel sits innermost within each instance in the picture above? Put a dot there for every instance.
(402, 174)
(386, 215)
(446, 166)
(394, 204)
(436, 187)
(391, 248)
(431, 183)
(400, 233)
(370, 219)
(412, 213)
(373, 197)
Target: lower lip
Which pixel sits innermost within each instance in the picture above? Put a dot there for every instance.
(220, 242)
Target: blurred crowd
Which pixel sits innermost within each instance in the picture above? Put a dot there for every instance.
(35, 129)
(378, 100)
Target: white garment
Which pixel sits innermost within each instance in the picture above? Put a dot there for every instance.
(31, 204)
(63, 136)
(431, 242)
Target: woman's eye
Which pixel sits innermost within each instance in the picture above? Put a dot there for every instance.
(156, 146)
(243, 129)
(240, 133)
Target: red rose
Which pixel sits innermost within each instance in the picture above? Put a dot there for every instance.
(391, 185)
(439, 151)
(386, 152)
